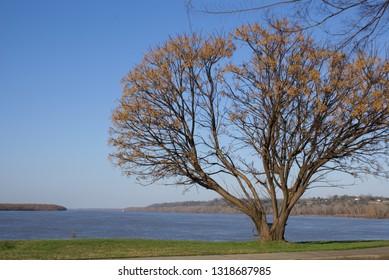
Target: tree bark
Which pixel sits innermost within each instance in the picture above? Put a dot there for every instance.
(270, 231)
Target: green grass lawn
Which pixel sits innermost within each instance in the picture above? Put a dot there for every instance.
(132, 248)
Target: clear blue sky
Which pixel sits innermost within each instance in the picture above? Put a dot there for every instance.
(61, 62)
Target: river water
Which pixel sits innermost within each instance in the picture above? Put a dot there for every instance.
(19, 225)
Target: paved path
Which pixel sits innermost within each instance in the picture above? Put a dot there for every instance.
(380, 253)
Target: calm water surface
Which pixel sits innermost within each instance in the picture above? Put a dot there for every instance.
(177, 226)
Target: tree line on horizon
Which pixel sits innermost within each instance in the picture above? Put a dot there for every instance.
(366, 206)
(30, 207)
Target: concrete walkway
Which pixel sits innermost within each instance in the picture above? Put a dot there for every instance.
(380, 253)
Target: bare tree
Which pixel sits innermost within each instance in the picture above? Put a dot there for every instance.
(270, 127)
(358, 20)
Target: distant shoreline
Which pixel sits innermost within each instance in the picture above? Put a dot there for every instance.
(336, 206)
(31, 207)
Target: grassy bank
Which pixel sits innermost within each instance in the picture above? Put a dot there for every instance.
(132, 248)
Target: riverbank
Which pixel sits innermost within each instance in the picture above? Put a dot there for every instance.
(30, 207)
(371, 207)
(78, 249)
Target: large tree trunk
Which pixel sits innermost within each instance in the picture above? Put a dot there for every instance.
(271, 231)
